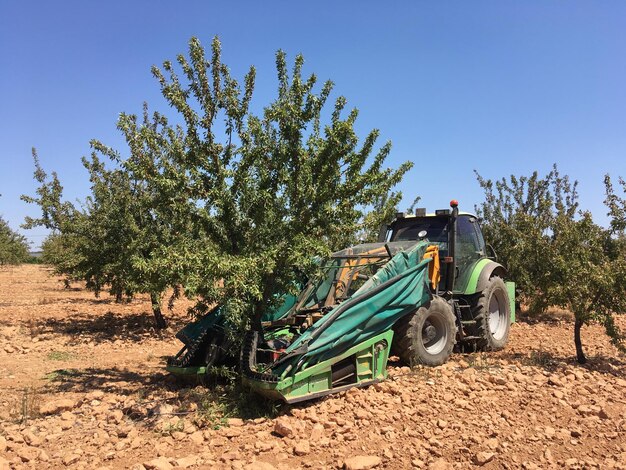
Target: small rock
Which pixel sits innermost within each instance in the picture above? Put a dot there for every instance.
(3, 444)
(362, 462)
(259, 466)
(228, 456)
(57, 406)
(160, 463)
(28, 454)
(492, 443)
(31, 439)
(482, 458)
(232, 432)
(439, 464)
(96, 395)
(496, 379)
(117, 416)
(317, 432)
(548, 455)
(188, 461)
(235, 422)
(69, 459)
(302, 448)
(555, 381)
(262, 446)
(283, 428)
(197, 437)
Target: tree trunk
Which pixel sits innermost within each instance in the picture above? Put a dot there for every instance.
(159, 321)
(256, 318)
(261, 305)
(580, 355)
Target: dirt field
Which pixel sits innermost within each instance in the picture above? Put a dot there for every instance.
(82, 386)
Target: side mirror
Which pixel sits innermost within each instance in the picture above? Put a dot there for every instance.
(422, 234)
(491, 252)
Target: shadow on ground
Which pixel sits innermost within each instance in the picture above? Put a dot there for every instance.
(212, 401)
(121, 382)
(108, 327)
(551, 362)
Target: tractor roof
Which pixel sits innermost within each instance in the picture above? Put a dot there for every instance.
(432, 214)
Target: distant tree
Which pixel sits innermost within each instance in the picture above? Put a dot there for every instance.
(13, 246)
(231, 205)
(382, 212)
(103, 241)
(589, 276)
(518, 215)
(555, 252)
(616, 205)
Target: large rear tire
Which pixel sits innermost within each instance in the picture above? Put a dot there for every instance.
(427, 336)
(492, 313)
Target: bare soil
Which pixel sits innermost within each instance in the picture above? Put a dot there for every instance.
(82, 385)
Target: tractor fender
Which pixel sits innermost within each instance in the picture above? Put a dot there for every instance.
(491, 269)
(482, 272)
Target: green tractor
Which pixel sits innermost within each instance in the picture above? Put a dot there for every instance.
(472, 304)
(426, 286)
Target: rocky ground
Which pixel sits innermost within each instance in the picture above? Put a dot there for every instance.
(82, 386)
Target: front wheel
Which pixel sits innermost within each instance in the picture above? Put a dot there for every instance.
(492, 314)
(427, 336)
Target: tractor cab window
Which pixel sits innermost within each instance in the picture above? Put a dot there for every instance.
(479, 237)
(467, 236)
(470, 247)
(436, 229)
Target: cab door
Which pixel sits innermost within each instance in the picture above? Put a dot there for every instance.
(470, 248)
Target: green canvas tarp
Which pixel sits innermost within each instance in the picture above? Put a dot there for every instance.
(397, 288)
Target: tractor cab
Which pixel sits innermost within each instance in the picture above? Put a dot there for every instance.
(458, 235)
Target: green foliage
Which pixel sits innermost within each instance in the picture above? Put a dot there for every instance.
(13, 246)
(519, 216)
(104, 242)
(281, 188)
(60, 248)
(227, 398)
(60, 356)
(231, 205)
(556, 254)
(616, 205)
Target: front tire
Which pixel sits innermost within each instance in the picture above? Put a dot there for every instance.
(427, 336)
(492, 314)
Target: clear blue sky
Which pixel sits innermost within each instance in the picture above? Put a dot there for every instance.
(501, 87)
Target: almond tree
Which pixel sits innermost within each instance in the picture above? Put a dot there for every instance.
(231, 205)
(13, 246)
(556, 253)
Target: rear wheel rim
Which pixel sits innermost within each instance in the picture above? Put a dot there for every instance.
(434, 334)
(497, 316)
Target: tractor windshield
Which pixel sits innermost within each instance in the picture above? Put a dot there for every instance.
(408, 229)
(345, 273)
